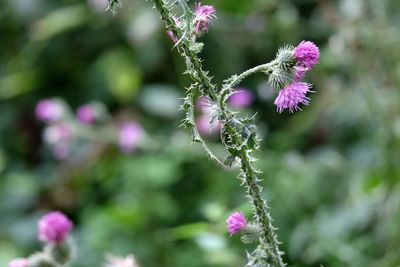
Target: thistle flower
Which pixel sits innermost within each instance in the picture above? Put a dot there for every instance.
(179, 24)
(241, 98)
(18, 263)
(306, 54)
(203, 17)
(207, 126)
(172, 36)
(54, 227)
(48, 110)
(129, 136)
(236, 222)
(86, 114)
(292, 96)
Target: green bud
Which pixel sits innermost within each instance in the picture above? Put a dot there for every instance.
(61, 252)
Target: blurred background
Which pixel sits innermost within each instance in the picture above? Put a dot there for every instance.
(331, 172)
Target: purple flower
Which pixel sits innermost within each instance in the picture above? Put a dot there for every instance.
(48, 110)
(291, 96)
(129, 136)
(202, 103)
(241, 98)
(54, 227)
(178, 23)
(86, 114)
(236, 222)
(203, 16)
(307, 54)
(172, 36)
(18, 263)
(206, 126)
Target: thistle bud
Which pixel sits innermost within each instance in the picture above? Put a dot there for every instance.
(61, 252)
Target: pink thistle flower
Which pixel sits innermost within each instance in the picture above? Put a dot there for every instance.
(236, 222)
(172, 36)
(129, 136)
(203, 17)
(206, 127)
(54, 227)
(202, 103)
(86, 114)
(307, 54)
(48, 110)
(291, 96)
(18, 263)
(242, 98)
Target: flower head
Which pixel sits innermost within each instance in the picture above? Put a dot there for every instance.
(203, 16)
(241, 98)
(179, 24)
(86, 114)
(129, 136)
(48, 110)
(18, 263)
(292, 96)
(207, 126)
(236, 222)
(172, 36)
(54, 227)
(307, 54)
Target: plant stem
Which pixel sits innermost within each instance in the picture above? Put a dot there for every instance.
(201, 77)
(261, 208)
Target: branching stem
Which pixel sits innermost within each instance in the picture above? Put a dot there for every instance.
(206, 87)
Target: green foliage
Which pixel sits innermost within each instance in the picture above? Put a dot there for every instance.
(331, 171)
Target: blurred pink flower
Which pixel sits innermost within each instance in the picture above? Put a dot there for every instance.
(129, 136)
(54, 227)
(18, 263)
(242, 98)
(48, 110)
(206, 127)
(86, 114)
(172, 36)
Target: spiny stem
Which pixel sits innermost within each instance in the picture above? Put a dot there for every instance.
(261, 208)
(199, 76)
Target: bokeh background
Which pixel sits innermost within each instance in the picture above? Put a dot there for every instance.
(331, 172)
